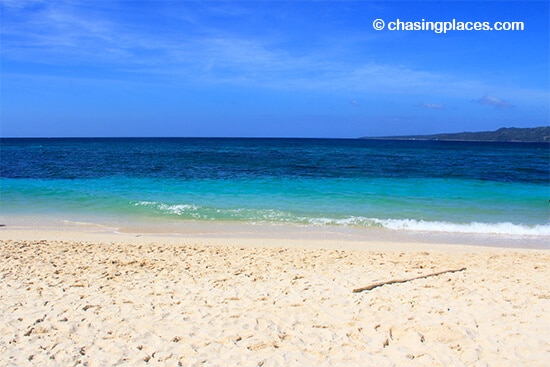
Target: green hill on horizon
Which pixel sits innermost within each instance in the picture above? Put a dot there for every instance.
(505, 134)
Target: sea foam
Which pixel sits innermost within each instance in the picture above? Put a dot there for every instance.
(503, 228)
(253, 215)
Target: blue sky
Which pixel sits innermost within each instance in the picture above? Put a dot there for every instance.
(268, 69)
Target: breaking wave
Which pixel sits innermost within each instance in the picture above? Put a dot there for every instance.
(252, 215)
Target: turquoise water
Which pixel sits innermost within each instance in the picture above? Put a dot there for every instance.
(411, 185)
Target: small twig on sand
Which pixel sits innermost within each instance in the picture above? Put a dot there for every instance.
(376, 285)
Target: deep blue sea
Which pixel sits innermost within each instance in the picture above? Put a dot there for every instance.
(466, 187)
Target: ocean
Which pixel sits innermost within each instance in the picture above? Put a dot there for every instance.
(428, 186)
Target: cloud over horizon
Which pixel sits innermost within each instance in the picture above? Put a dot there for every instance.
(433, 106)
(495, 102)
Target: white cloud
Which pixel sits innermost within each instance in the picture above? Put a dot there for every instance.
(493, 101)
(433, 106)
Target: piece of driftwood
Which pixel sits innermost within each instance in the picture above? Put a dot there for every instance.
(376, 285)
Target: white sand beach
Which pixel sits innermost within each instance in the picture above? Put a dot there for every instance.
(71, 298)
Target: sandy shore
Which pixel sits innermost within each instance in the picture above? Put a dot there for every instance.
(99, 299)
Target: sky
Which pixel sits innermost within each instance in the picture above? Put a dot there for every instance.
(127, 68)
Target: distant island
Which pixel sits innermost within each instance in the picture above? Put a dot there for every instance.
(506, 134)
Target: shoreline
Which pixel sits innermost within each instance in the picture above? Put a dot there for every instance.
(331, 236)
